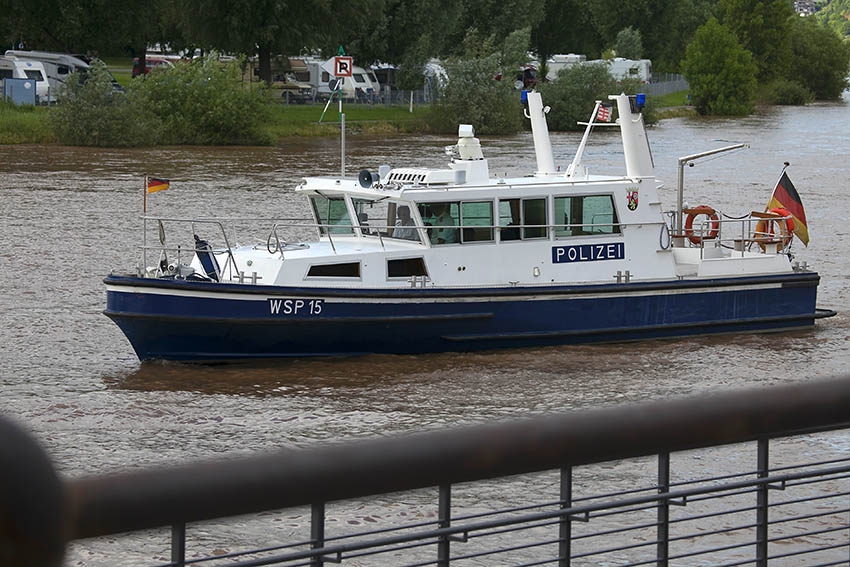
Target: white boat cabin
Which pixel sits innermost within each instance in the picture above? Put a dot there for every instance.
(459, 227)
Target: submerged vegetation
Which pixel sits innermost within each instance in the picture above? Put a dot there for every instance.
(196, 103)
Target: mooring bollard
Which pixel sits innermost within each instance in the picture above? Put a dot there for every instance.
(31, 502)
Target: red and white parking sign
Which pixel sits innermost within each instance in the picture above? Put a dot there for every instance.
(343, 66)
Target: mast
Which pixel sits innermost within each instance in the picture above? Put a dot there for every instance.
(635, 143)
(540, 132)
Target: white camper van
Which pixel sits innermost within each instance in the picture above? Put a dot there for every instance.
(361, 85)
(34, 70)
(7, 69)
(58, 66)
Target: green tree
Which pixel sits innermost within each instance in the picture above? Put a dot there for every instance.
(399, 36)
(550, 36)
(820, 60)
(763, 28)
(628, 44)
(680, 20)
(836, 14)
(271, 27)
(81, 26)
(720, 72)
(495, 19)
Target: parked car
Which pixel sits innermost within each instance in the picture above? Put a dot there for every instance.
(151, 62)
(296, 91)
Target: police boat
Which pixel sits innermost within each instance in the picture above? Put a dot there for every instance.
(419, 260)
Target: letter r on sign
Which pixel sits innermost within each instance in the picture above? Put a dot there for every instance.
(343, 66)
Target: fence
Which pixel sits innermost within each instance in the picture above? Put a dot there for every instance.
(386, 98)
(666, 83)
(725, 519)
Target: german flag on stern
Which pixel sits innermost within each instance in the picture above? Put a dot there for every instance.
(155, 184)
(786, 196)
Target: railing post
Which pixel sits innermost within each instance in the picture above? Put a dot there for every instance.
(317, 532)
(761, 505)
(662, 552)
(444, 520)
(178, 544)
(565, 526)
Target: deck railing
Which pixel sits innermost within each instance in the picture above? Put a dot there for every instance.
(793, 514)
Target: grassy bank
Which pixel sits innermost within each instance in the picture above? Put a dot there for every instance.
(303, 120)
(20, 125)
(24, 125)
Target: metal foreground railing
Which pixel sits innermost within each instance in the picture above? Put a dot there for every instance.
(794, 512)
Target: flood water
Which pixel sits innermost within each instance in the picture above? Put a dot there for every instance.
(71, 215)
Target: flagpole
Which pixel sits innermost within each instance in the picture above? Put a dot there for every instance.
(145, 227)
(571, 169)
(781, 173)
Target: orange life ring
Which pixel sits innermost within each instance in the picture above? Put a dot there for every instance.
(764, 227)
(714, 225)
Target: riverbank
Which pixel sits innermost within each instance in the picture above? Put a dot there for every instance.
(31, 125)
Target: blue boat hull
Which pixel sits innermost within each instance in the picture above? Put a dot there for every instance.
(204, 321)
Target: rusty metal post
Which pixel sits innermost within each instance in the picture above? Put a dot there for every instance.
(565, 525)
(444, 514)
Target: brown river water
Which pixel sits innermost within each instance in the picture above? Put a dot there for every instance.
(71, 215)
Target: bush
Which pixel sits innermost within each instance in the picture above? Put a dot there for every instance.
(202, 102)
(472, 95)
(571, 96)
(574, 93)
(784, 91)
(721, 73)
(95, 114)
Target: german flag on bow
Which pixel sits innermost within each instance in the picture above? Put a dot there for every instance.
(154, 184)
(786, 196)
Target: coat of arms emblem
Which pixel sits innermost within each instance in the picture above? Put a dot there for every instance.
(632, 196)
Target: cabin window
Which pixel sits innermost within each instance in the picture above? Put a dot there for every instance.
(372, 216)
(583, 215)
(34, 75)
(325, 76)
(534, 218)
(6, 74)
(509, 219)
(346, 270)
(63, 70)
(441, 217)
(402, 221)
(332, 214)
(406, 267)
(358, 78)
(477, 221)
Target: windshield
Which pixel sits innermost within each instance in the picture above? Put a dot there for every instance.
(332, 214)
